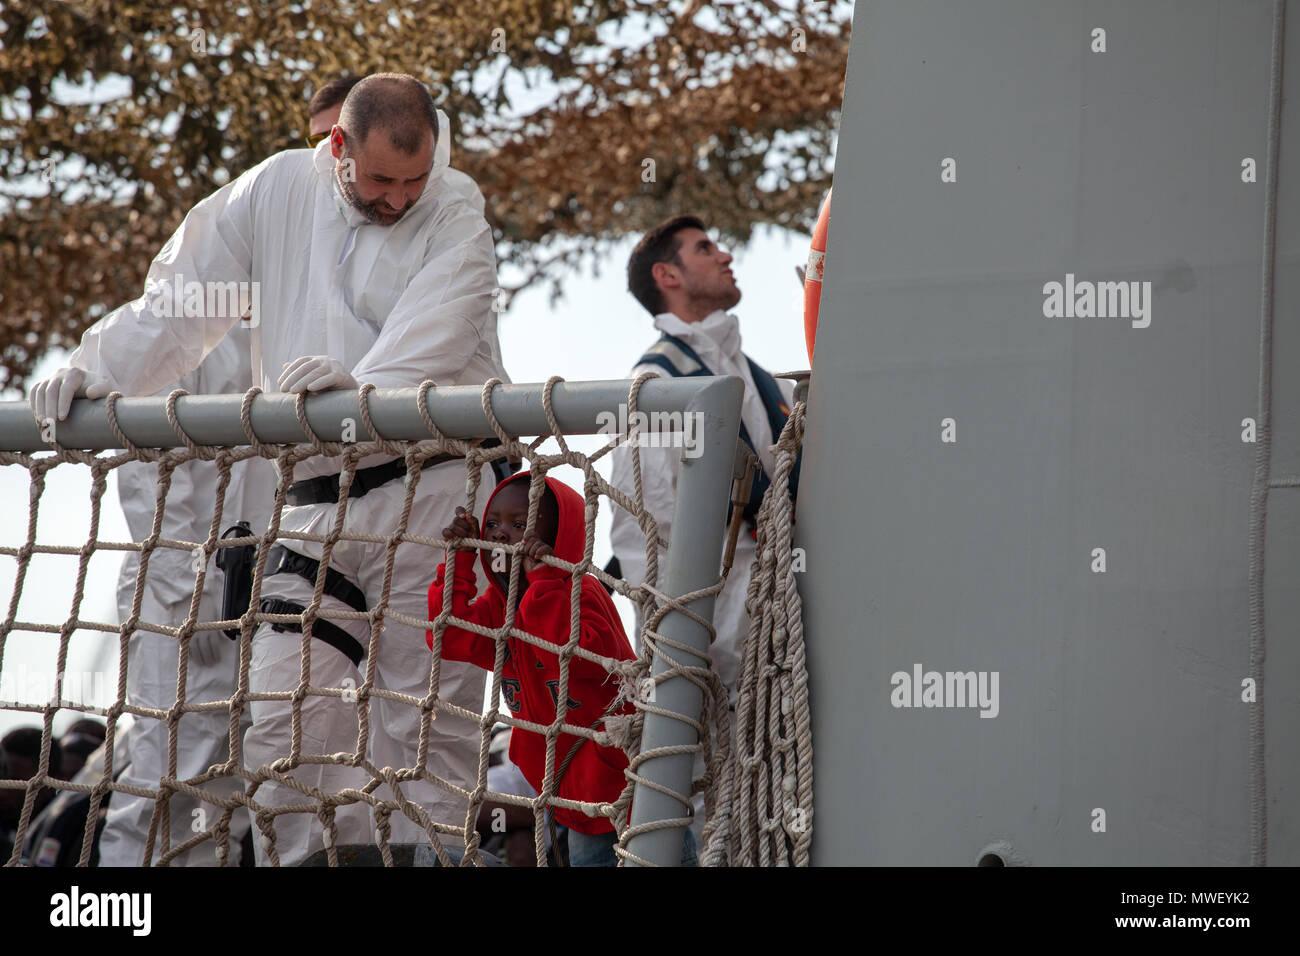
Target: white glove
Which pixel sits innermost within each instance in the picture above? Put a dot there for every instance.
(206, 647)
(52, 398)
(315, 373)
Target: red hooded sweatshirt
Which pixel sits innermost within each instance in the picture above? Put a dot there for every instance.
(530, 677)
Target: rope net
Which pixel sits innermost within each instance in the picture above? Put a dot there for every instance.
(734, 792)
(763, 799)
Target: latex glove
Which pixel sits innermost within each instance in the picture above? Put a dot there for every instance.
(206, 647)
(52, 398)
(315, 373)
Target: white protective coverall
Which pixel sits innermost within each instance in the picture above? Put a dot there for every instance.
(396, 305)
(716, 339)
(202, 738)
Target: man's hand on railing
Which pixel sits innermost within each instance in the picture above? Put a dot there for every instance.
(315, 373)
(52, 398)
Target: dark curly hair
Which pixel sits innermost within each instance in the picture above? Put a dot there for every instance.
(660, 244)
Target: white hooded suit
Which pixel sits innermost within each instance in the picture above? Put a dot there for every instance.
(202, 738)
(396, 305)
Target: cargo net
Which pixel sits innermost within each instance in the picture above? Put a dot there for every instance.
(758, 793)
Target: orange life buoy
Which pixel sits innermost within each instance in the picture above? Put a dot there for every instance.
(812, 280)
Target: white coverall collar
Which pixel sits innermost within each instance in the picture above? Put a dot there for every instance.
(720, 330)
(325, 164)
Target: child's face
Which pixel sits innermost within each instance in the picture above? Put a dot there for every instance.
(507, 516)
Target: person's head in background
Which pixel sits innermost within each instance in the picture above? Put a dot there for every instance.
(81, 740)
(499, 746)
(384, 143)
(323, 110)
(677, 268)
(22, 750)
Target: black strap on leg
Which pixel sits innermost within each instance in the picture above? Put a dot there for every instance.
(326, 631)
(283, 561)
(325, 488)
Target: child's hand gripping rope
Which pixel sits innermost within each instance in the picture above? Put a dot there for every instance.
(534, 549)
(464, 525)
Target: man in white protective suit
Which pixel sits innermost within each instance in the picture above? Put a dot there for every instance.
(369, 260)
(684, 280)
(203, 738)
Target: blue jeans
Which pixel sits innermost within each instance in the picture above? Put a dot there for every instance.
(597, 849)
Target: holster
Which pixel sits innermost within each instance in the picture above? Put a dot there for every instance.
(237, 564)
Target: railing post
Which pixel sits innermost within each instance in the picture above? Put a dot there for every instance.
(703, 490)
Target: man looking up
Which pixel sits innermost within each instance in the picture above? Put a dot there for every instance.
(685, 281)
(373, 263)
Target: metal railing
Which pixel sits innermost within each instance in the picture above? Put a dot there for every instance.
(692, 563)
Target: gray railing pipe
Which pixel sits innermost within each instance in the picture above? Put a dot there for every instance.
(457, 411)
(703, 490)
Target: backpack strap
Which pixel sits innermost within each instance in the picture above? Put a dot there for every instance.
(778, 413)
(678, 359)
(675, 357)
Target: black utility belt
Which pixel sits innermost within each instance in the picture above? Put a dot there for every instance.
(237, 563)
(325, 489)
(316, 491)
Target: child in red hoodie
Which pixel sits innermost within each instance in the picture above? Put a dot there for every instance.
(531, 674)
